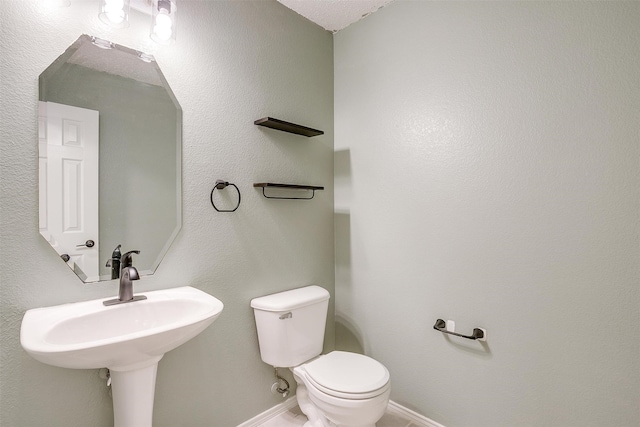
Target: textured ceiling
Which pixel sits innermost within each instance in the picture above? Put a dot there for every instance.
(334, 15)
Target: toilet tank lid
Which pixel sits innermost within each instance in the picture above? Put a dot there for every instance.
(290, 300)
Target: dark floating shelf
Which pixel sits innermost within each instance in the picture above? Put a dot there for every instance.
(278, 124)
(265, 185)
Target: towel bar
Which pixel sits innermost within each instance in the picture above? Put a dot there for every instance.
(441, 325)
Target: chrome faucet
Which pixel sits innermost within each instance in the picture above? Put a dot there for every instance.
(128, 273)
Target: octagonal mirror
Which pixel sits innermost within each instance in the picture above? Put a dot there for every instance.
(110, 142)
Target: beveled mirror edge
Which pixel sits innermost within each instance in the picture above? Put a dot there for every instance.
(57, 64)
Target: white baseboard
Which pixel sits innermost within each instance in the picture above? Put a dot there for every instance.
(412, 416)
(271, 413)
(291, 402)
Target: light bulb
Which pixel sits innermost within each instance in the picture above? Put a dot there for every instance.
(162, 29)
(163, 23)
(115, 13)
(163, 33)
(163, 20)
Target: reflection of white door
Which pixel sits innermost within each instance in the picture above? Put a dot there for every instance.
(69, 183)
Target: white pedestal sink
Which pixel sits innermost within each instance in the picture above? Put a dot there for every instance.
(129, 339)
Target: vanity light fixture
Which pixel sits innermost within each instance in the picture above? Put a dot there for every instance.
(115, 13)
(163, 21)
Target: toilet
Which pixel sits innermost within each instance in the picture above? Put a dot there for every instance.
(336, 389)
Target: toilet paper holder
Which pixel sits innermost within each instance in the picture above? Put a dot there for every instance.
(477, 334)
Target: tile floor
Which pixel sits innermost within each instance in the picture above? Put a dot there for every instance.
(295, 418)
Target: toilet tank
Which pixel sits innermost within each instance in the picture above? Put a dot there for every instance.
(291, 325)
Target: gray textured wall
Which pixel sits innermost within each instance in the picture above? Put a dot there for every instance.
(488, 171)
(233, 62)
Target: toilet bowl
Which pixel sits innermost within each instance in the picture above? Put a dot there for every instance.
(346, 389)
(337, 389)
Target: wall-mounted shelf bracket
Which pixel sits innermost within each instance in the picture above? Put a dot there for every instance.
(265, 185)
(278, 124)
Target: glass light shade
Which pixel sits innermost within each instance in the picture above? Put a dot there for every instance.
(163, 21)
(115, 13)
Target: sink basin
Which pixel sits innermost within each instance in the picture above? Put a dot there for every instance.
(87, 335)
(129, 339)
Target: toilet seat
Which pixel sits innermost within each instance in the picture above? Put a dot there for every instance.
(348, 375)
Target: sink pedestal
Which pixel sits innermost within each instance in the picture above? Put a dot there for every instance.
(133, 393)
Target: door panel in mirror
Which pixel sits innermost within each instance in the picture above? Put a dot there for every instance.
(68, 184)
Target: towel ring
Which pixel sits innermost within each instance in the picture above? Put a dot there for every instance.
(220, 185)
